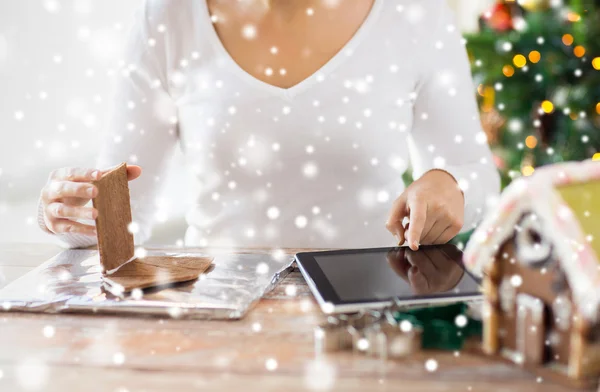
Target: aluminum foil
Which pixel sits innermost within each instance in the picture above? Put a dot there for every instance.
(72, 282)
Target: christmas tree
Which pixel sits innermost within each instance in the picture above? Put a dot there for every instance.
(537, 63)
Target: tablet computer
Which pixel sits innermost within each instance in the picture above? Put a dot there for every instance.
(346, 281)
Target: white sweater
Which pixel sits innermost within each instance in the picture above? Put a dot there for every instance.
(315, 165)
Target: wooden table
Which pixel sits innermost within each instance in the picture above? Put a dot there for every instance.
(118, 354)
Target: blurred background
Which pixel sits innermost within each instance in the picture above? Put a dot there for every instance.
(535, 64)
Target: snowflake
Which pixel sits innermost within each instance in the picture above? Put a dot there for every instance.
(310, 170)
(262, 268)
(137, 294)
(362, 344)
(415, 13)
(133, 228)
(271, 364)
(301, 221)
(439, 162)
(49, 331)
(516, 280)
(119, 358)
(140, 253)
(249, 31)
(291, 290)
(481, 137)
(461, 321)
(52, 6)
(328, 308)
(406, 326)
(431, 365)
(383, 196)
(175, 312)
(273, 213)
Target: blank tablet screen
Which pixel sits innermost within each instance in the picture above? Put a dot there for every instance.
(381, 274)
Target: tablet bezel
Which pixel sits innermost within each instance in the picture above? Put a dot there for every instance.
(330, 302)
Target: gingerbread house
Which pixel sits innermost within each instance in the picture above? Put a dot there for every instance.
(538, 253)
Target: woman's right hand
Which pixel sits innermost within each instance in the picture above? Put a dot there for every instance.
(67, 192)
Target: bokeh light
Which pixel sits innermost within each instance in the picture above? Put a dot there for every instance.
(547, 106)
(519, 60)
(508, 70)
(527, 170)
(579, 51)
(531, 141)
(567, 39)
(535, 56)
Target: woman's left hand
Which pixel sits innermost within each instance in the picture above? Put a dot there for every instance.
(435, 208)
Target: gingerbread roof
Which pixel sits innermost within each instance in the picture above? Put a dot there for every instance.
(538, 194)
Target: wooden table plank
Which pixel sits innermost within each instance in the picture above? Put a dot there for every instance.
(71, 378)
(107, 353)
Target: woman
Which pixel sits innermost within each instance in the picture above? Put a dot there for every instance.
(297, 118)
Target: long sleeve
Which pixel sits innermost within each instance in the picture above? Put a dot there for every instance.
(143, 126)
(447, 131)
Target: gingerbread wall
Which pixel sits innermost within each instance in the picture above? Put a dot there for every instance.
(539, 285)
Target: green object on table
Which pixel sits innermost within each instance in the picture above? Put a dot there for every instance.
(439, 324)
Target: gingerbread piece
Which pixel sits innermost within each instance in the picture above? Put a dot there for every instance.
(539, 254)
(115, 242)
(123, 272)
(155, 271)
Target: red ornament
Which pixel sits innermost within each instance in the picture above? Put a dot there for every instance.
(499, 18)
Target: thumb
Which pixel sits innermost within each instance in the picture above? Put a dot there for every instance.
(133, 172)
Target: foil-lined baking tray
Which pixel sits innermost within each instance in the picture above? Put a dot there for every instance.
(71, 282)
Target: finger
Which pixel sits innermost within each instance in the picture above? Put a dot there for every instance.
(75, 174)
(62, 211)
(394, 222)
(445, 236)
(418, 219)
(133, 171)
(61, 189)
(65, 226)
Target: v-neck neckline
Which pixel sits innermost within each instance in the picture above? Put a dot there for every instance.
(319, 75)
